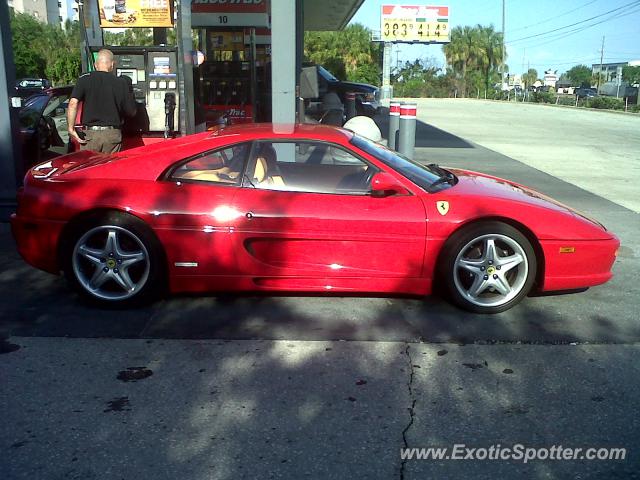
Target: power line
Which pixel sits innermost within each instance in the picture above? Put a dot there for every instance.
(552, 18)
(592, 61)
(631, 4)
(561, 35)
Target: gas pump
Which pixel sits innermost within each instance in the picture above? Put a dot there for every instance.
(154, 76)
(232, 83)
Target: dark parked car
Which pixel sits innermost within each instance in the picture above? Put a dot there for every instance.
(43, 124)
(367, 96)
(26, 87)
(586, 92)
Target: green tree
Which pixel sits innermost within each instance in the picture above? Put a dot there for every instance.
(349, 54)
(462, 53)
(631, 74)
(33, 42)
(490, 54)
(580, 76)
(28, 36)
(64, 67)
(473, 56)
(138, 37)
(530, 77)
(421, 78)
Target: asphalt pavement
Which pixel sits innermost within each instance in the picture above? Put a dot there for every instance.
(321, 387)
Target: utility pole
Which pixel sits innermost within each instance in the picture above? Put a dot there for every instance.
(504, 51)
(600, 72)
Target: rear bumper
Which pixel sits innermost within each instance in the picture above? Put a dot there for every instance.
(588, 265)
(37, 241)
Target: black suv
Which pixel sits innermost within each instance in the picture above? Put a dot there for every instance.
(367, 96)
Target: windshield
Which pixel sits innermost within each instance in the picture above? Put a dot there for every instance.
(422, 175)
(327, 75)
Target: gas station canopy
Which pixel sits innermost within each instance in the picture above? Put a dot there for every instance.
(329, 14)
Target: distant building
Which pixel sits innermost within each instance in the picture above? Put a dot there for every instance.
(612, 71)
(54, 12)
(550, 78)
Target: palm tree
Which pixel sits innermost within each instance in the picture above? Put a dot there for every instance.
(476, 48)
(462, 52)
(491, 54)
(530, 77)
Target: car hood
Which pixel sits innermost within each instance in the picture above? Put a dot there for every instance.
(478, 184)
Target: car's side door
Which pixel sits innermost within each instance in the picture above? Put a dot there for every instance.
(309, 213)
(194, 215)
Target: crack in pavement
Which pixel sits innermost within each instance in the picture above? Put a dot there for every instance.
(411, 409)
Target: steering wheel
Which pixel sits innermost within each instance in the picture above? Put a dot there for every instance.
(368, 177)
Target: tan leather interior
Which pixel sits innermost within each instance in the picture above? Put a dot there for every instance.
(260, 172)
(206, 176)
(277, 180)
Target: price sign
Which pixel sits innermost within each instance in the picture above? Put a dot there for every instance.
(414, 23)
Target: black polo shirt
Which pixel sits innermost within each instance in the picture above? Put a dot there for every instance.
(106, 99)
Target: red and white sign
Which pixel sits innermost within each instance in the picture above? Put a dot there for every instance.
(230, 13)
(415, 23)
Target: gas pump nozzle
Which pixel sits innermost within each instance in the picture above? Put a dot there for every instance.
(169, 109)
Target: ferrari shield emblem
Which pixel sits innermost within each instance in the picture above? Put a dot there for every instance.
(442, 206)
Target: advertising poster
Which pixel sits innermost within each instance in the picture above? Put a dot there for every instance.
(135, 13)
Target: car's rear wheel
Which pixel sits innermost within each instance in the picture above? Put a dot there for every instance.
(488, 267)
(114, 259)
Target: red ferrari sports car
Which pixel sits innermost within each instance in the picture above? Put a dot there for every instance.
(299, 209)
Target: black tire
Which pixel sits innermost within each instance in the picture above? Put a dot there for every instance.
(88, 248)
(479, 281)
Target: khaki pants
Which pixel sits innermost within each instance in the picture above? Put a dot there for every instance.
(105, 141)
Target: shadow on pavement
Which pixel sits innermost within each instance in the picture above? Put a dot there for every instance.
(426, 135)
(228, 410)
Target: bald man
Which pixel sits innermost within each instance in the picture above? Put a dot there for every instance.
(106, 100)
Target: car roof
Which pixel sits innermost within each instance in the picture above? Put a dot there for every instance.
(256, 131)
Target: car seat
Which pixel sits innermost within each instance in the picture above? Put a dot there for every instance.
(266, 170)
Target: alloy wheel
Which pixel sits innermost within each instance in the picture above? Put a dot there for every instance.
(111, 263)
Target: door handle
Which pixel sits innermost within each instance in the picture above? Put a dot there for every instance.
(249, 215)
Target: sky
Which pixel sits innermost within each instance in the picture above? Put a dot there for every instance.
(558, 50)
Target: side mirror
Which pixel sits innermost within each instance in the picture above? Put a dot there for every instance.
(384, 185)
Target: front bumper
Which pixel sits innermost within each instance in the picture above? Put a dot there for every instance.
(588, 265)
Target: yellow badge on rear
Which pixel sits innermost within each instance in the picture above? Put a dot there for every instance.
(442, 206)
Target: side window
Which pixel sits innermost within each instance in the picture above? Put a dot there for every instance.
(220, 166)
(308, 166)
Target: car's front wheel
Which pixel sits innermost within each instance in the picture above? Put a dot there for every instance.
(488, 267)
(114, 259)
